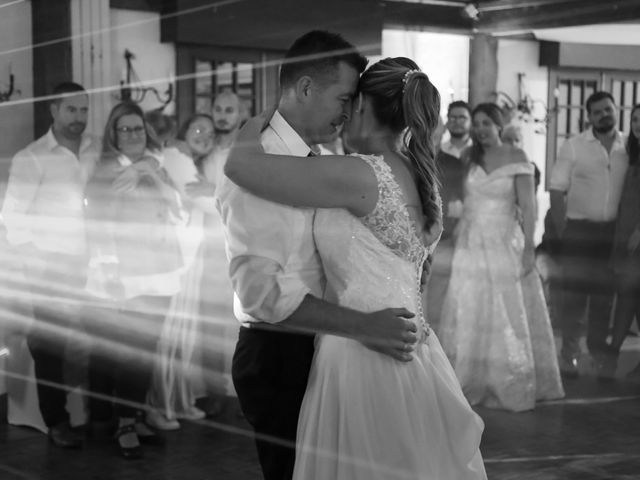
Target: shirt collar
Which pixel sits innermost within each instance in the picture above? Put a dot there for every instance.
(52, 142)
(592, 138)
(289, 136)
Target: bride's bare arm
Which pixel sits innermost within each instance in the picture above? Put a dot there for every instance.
(525, 194)
(327, 181)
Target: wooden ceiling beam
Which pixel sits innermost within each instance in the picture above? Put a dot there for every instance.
(412, 14)
(561, 14)
(499, 5)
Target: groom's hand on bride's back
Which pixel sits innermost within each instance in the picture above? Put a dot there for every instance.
(391, 332)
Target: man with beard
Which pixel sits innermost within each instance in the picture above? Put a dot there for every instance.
(43, 212)
(459, 127)
(585, 188)
(226, 122)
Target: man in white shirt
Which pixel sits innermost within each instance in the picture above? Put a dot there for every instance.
(459, 127)
(585, 188)
(274, 266)
(43, 212)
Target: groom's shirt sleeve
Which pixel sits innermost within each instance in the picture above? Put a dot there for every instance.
(272, 263)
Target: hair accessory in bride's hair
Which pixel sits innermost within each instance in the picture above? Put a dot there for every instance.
(406, 77)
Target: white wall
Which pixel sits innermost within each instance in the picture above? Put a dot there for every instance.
(16, 119)
(444, 57)
(154, 62)
(16, 116)
(522, 56)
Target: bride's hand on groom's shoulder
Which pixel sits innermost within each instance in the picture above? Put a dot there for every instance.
(266, 116)
(255, 125)
(248, 138)
(391, 332)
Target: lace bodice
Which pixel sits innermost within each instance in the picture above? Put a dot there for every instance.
(373, 262)
(390, 221)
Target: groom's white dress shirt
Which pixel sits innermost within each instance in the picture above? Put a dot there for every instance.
(273, 261)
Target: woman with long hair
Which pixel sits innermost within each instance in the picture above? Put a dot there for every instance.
(133, 208)
(366, 415)
(495, 326)
(179, 372)
(626, 251)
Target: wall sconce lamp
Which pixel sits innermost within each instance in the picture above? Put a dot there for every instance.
(136, 92)
(5, 95)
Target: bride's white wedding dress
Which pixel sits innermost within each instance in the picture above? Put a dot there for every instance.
(366, 416)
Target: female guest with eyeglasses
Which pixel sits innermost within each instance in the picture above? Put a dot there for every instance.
(133, 210)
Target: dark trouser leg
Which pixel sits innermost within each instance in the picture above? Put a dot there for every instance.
(573, 309)
(47, 350)
(602, 288)
(101, 386)
(600, 305)
(56, 282)
(270, 372)
(586, 249)
(101, 323)
(139, 326)
(627, 307)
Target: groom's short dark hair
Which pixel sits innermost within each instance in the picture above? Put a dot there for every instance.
(317, 54)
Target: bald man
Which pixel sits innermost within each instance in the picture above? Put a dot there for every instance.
(226, 114)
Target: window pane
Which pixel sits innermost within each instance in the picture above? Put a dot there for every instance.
(204, 75)
(224, 75)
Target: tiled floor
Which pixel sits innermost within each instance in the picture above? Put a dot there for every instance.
(593, 434)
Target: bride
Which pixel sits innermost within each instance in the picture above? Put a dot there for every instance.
(365, 415)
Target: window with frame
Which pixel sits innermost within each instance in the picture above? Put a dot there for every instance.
(568, 93)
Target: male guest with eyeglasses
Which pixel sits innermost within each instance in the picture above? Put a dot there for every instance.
(43, 212)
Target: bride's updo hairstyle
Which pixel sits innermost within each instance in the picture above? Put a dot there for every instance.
(405, 100)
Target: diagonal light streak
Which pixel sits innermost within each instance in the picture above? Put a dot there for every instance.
(12, 3)
(188, 76)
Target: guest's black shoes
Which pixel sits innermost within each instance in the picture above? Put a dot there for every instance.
(568, 366)
(61, 435)
(606, 363)
(147, 434)
(128, 442)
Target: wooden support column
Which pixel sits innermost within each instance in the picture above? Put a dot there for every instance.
(483, 68)
(91, 48)
(52, 60)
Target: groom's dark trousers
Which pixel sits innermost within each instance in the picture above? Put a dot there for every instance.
(270, 371)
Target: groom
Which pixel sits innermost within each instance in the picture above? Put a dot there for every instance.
(274, 266)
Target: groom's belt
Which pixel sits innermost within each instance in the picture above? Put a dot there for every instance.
(271, 327)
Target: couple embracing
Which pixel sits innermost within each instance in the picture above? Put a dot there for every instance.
(336, 368)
